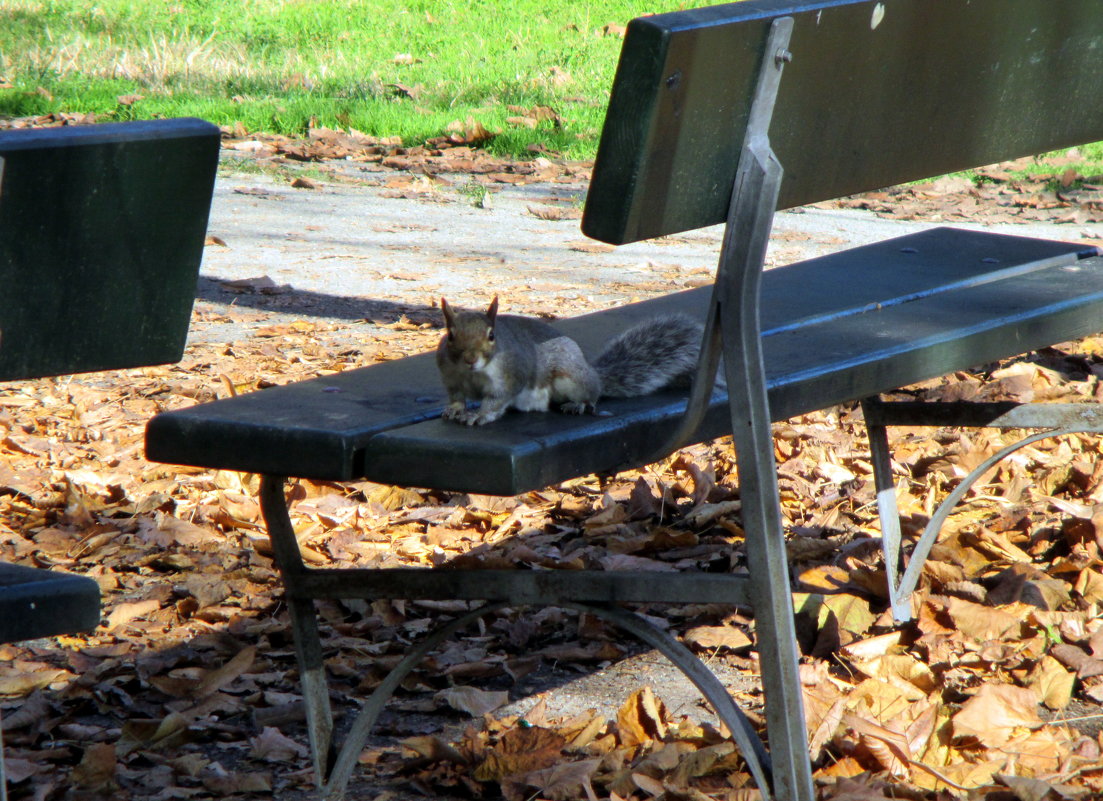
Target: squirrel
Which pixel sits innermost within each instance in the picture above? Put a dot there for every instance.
(507, 361)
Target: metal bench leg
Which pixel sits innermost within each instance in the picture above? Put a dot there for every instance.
(735, 311)
(767, 561)
(1056, 418)
(888, 512)
(736, 297)
(304, 624)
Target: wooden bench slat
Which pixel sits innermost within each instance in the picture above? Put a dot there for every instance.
(928, 87)
(41, 603)
(807, 369)
(380, 422)
(101, 236)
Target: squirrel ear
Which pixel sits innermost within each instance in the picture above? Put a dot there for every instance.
(493, 310)
(448, 317)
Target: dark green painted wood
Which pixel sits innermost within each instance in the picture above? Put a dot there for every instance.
(101, 236)
(838, 328)
(934, 86)
(41, 603)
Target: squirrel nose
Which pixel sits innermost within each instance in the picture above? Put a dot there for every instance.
(470, 358)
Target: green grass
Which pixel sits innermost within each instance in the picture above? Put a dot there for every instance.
(276, 65)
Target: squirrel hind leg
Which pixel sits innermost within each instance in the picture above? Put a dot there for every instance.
(573, 385)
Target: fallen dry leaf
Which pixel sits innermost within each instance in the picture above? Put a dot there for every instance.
(642, 718)
(472, 700)
(997, 713)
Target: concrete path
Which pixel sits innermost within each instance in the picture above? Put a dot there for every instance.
(386, 244)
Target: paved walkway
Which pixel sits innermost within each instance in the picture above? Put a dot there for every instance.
(391, 243)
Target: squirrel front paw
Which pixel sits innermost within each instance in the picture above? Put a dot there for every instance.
(481, 417)
(465, 417)
(470, 417)
(454, 411)
(577, 408)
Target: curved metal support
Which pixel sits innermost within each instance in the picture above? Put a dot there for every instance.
(922, 549)
(358, 735)
(704, 382)
(746, 738)
(743, 733)
(750, 217)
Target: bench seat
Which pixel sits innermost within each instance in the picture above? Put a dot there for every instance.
(915, 307)
(41, 603)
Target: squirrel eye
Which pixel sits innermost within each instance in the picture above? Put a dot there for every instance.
(490, 335)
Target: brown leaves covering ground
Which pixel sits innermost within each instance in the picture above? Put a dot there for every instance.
(458, 150)
(188, 689)
(1053, 191)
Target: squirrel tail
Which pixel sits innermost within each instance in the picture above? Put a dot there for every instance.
(649, 356)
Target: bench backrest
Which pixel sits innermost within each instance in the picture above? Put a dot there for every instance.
(101, 236)
(877, 93)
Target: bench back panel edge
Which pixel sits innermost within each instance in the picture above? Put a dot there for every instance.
(877, 94)
(101, 237)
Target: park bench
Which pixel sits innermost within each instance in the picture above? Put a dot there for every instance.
(723, 115)
(101, 236)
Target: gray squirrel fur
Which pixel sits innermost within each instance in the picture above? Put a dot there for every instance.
(506, 361)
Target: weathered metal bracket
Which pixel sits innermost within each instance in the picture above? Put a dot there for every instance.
(750, 218)
(1057, 419)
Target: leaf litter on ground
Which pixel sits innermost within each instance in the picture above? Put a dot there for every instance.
(189, 688)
